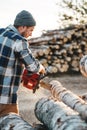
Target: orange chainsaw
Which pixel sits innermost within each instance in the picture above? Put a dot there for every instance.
(31, 80)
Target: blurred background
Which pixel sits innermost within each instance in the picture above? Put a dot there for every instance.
(45, 13)
(61, 24)
(49, 14)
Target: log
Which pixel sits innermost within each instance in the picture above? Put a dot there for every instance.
(15, 122)
(69, 98)
(72, 100)
(52, 69)
(58, 116)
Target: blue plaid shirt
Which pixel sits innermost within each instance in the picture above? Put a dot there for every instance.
(14, 54)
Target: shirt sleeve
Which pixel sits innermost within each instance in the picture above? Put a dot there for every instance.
(26, 57)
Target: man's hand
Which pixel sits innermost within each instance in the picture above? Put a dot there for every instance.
(42, 69)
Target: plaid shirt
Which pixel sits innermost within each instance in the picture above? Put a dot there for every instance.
(14, 52)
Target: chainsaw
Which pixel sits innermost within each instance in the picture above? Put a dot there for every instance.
(31, 80)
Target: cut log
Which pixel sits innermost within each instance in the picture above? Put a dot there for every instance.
(52, 69)
(15, 122)
(69, 98)
(58, 116)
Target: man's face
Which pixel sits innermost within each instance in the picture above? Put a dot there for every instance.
(26, 31)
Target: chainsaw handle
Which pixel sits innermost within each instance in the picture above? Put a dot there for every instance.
(41, 76)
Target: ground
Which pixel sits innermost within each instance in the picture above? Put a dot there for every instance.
(27, 100)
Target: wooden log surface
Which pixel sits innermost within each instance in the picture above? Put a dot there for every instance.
(69, 98)
(72, 100)
(67, 45)
(15, 122)
(58, 116)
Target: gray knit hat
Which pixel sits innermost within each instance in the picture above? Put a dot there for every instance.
(24, 18)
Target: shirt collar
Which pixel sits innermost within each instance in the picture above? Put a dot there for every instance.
(11, 27)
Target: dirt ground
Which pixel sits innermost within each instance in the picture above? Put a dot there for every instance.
(27, 100)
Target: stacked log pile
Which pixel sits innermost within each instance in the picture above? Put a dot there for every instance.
(61, 50)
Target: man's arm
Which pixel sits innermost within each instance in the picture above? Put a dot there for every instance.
(26, 57)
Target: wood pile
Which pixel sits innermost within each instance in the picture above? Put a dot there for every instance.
(63, 111)
(61, 50)
(57, 116)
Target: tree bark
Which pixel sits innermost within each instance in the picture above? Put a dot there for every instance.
(69, 98)
(15, 122)
(77, 103)
(58, 116)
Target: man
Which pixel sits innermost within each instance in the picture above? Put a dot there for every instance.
(14, 56)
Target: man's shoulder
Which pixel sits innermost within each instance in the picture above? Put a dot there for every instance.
(10, 34)
(2, 30)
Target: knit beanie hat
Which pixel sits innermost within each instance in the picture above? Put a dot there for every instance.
(24, 18)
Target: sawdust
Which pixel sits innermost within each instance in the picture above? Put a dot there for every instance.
(27, 100)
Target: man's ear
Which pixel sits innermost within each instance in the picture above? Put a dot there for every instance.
(21, 29)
